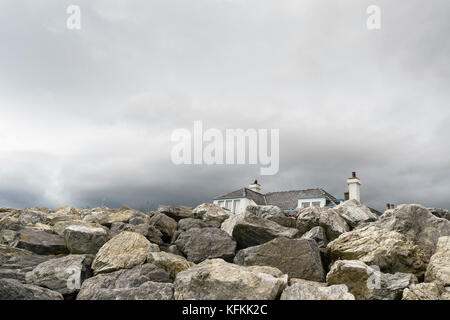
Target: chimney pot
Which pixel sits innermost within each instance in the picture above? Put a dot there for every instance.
(353, 174)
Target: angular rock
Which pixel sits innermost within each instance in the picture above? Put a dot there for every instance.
(8, 236)
(331, 221)
(252, 230)
(64, 275)
(273, 213)
(206, 243)
(306, 291)
(10, 223)
(228, 224)
(31, 217)
(16, 266)
(422, 291)
(389, 250)
(190, 223)
(368, 283)
(106, 216)
(60, 226)
(11, 289)
(211, 214)
(172, 263)
(84, 239)
(440, 213)
(140, 219)
(417, 224)
(66, 210)
(298, 258)
(318, 235)
(124, 251)
(128, 284)
(219, 280)
(41, 242)
(176, 213)
(355, 213)
(438, 269)
(166, 225)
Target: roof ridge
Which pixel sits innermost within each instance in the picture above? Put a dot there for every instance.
(296, 190)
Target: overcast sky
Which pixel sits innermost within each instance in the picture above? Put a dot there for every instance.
(86, 115)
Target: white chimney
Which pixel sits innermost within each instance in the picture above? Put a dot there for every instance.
(354, 186)
(255, 186)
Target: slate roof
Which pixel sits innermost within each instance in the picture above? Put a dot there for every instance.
(281, 199)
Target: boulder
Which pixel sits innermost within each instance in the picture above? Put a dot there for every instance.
(140, 219)
(84, 239)
(8, 236)
(252, 231)
(308, 291)
(106, 216)
(190, 223)
(298, 258)
(10, 223)
(60, 226)
(166, 225)
(318, 235)
(440, 213)
(206, 243)
(67, 210)
(417, 224)
(64, 275)
(129, 284)
(211, 214)
(355, 213)
(368, 283)
(11, 289)
(228, 224)
(31, 217)
(389, 250)
(124, 251)
(422, 291)
(331, 221)
(17, 266)
(41, 242)
(438, 269)
(273, 213)
(176, 213)
(219, 280)
(172, 263)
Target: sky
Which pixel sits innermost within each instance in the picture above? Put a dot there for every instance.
(86, 115)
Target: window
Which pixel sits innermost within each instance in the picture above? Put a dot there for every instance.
(222, 203)
(228, 204)
(306, 204)
(236, 205)
(316, 204)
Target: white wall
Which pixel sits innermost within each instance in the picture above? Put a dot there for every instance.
(322, 202)
(243, 203)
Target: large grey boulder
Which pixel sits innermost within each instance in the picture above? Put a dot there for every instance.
(41, 242)
(367, 282)
(298, 258)
(252, 231)
(60, 226)
(124, 251)
(64, 275)
(166, 225)
(190, 223)
(211, 214)
(422, 291)
(219, 280)
(143, 282)
(318, 235)
(176, 213)
(170, 262)
(310, 291)
(106, 216)
(440, 213)
(11, 289)
(438, 269)
(206, 243)
(355, 213)
(418, 224)
(17, 266)
(274, 214)
(331, 221)
(31, 217)
(84, 239)
(389, 250)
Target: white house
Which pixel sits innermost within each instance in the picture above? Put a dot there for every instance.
(238, 200)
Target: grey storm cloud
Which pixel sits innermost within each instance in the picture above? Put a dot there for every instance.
(86, 115)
